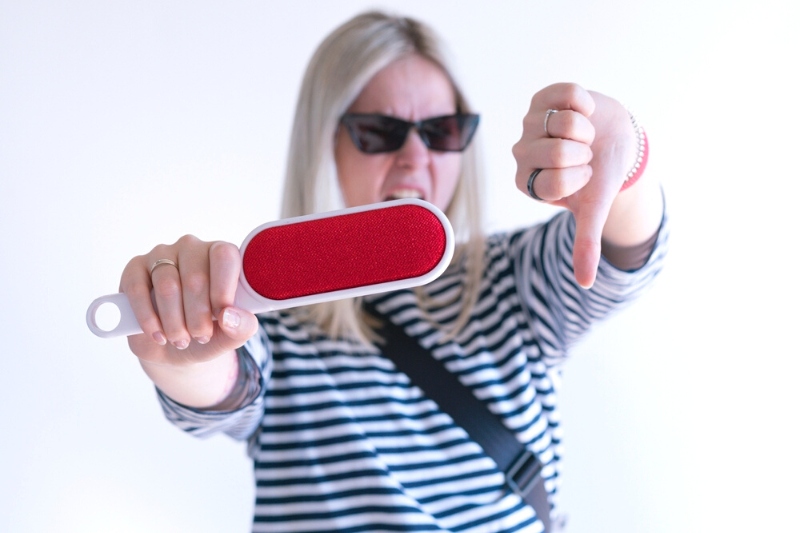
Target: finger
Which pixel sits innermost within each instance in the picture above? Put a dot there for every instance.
(167, 292)
(569, 125)
(548, 154)
(559, 153)
(225, 267)
(194, 276)
(136, 285)
(553, 184)
(564, 96)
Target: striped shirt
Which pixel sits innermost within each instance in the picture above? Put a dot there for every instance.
(342, 441)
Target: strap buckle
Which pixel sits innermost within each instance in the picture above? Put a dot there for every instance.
(524, 472)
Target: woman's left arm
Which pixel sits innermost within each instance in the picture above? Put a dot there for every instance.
(584, 151)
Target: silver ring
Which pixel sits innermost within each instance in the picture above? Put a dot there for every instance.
(160, 262)
(547, 118)
(531, 179)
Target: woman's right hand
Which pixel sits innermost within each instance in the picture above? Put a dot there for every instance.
(179, 330)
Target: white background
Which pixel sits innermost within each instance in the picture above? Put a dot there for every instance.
(125, 124)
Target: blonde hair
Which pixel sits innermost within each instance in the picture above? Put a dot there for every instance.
(338, 71)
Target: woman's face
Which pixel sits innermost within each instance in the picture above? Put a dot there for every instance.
(412, 89)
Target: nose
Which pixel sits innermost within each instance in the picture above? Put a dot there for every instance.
(414, 153)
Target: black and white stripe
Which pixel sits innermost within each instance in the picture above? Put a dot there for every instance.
(341, 441)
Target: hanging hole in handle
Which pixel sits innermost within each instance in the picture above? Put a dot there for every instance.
(118, 317)
(107, 316)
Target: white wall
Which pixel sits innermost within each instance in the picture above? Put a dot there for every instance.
(124, 124)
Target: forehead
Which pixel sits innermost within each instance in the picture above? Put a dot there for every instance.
(411, 87)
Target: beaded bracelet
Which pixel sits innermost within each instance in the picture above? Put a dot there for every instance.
(642, 153)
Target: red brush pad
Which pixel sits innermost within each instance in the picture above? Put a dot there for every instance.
(343, 252)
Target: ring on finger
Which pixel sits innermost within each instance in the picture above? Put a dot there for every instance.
(531, 179)
(547, 119)
(159, 262)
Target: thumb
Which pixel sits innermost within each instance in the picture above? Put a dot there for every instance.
(236, 326)
(589, 223)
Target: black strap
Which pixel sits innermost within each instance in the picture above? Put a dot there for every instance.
(521, 466)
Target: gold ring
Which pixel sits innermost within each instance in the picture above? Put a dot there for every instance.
(160, 262)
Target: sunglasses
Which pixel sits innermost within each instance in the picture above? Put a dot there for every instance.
(374, 134)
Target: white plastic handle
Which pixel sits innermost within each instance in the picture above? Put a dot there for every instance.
(248, 299)
(128, 325)
(127, 321)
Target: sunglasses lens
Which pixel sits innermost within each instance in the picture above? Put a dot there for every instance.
(449, 134)
(373, 134)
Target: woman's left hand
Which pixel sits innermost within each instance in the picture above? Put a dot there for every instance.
(584, 156)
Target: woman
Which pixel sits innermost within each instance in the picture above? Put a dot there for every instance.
(341, 440)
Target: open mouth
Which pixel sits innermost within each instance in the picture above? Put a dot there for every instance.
(401, 194)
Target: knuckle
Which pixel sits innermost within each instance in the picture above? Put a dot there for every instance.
(187, 241)
(570, 120)
(586, 154)
(223, 251)
(590, 132)
(127, 283)
(541, 94)
(160, 250)
(137, 291)
(572, 91)
(529, 122)
(517, 150)
(169, 288)
(555, 188)
(195, 282)
(521, 181)
(558, 154)
(135, 262)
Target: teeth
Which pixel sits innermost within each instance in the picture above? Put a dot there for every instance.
(404, 193)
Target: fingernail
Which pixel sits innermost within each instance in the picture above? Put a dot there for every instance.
(230, 319)
(159, 338)
(181, 344)
(203, 340)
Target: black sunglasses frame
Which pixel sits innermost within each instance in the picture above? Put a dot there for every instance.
(391, 132)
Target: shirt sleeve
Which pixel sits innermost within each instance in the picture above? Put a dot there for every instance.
(559, 310)
(241, 423)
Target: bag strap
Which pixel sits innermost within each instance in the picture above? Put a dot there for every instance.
(521, 466)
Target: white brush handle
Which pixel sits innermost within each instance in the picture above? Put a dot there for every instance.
(128, 325)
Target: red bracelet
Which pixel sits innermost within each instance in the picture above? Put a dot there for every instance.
(643, 151)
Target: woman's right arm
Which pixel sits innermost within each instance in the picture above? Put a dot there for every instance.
(189, 356)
